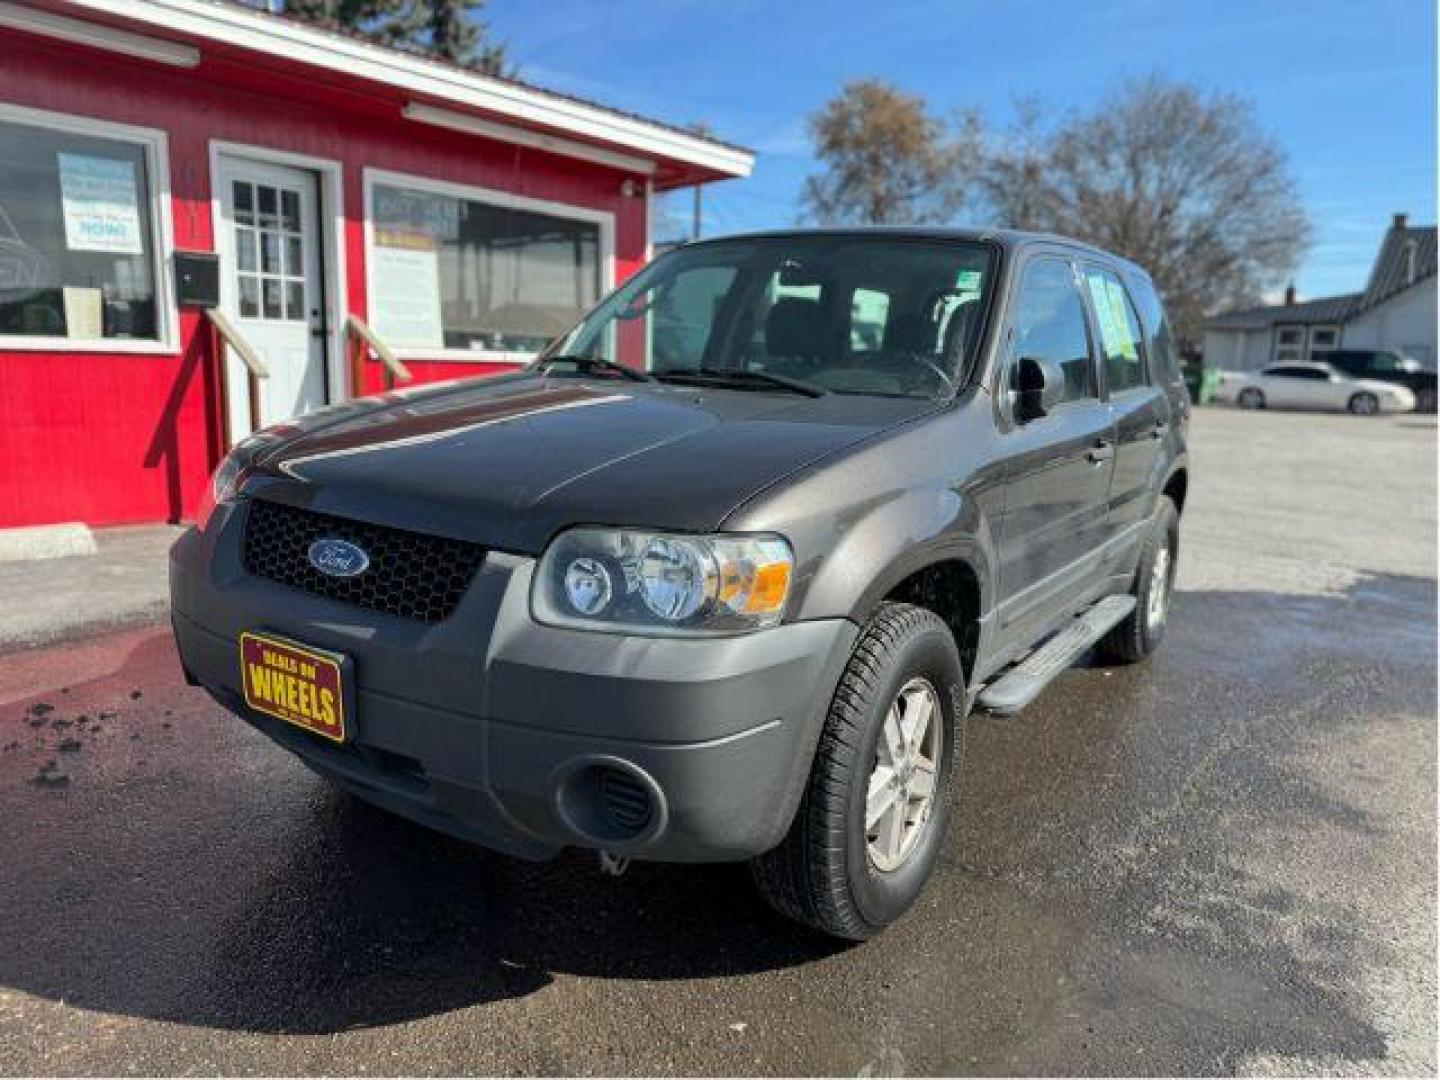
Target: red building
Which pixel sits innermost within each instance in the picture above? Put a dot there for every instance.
(463, 219)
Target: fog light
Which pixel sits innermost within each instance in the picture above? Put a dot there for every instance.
(588, 587)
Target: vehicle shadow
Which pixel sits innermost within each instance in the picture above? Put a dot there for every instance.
(214, 881)
(254, 897)
(394, 922)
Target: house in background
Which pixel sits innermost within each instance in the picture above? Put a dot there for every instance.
(162, 161)
(1396, 312)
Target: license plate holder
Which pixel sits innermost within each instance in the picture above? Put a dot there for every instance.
(306, 687)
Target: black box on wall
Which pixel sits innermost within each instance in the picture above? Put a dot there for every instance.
(197, 279)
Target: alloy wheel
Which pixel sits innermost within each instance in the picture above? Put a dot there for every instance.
(901, 791)
(1158, 599)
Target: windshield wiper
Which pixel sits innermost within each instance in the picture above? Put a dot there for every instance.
(588, 365)
(759, 380)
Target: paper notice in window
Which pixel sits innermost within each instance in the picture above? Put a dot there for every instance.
(406, 287)
(101, 204)
(84, 313)
(1108, 299)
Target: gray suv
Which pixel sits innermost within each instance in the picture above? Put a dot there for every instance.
(721, 574)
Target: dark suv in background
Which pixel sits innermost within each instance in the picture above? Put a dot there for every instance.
(1387, 366)
(720, 576)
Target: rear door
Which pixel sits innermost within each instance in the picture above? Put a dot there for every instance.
(1139, 407)
(1059, 465)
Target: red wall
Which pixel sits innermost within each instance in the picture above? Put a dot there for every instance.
(112, 438)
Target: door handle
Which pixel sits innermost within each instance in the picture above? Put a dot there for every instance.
(1101, 451)
(1159, 430)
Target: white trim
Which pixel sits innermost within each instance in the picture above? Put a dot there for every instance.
(649, 221)
(331, 212)
(48, 24)
(371, 177)
(649, 257)
(473, 125)
(232, 25)
(156, 147)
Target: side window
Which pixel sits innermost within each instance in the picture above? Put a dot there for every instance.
(1119, 330)
(869, 313)
(1049, 324)
(1159, 344)
(683, 314)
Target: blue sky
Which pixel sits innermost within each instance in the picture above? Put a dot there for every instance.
(1348, 88)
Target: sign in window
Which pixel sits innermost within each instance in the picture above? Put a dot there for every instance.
(452, 272)
(76, 254)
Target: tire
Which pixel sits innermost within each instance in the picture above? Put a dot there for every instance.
(1139, 634)
(825, 872)
(1363, 404)
(1250, 398)
(1425, 400)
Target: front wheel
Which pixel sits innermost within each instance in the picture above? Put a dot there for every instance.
(1425, 400)
(1364, 404)
(871, 821)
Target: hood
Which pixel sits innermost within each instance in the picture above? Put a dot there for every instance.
(510, 462)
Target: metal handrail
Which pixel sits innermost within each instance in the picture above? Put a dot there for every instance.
(228, 335)
(359, 329)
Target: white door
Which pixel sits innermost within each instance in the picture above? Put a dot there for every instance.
(271, 286)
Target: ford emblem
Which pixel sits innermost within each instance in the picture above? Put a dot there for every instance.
(338, 558)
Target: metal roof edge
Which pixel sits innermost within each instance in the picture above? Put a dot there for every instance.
(436, 80)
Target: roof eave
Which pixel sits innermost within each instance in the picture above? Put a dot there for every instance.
(678, 157)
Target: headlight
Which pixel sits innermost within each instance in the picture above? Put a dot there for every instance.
(230, 474)
(637, 582)
(227, 478)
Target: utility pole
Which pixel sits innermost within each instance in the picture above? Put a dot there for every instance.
(695, 221)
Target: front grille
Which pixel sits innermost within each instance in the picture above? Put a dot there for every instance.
(411, 575)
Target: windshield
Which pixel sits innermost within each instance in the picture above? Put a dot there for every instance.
(843, 314)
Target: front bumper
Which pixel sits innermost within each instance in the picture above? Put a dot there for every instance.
(496, 729)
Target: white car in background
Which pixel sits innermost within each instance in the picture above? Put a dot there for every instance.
(1311, 386)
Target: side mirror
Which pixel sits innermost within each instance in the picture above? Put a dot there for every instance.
(1040, 386)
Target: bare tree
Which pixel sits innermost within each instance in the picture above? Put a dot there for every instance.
(1184, 183)
(886, 160)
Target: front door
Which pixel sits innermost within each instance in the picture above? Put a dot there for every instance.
(1057, 485)
(1294, 387)
(271, 287)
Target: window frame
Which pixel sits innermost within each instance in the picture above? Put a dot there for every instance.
(1101, 361)
(371, 178)
(1323, 328)
(1004, 397)
(154, 143)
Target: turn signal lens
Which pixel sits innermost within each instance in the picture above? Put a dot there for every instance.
(630, 581)
(771, 585)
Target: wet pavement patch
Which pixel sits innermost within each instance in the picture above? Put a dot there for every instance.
(51, 775)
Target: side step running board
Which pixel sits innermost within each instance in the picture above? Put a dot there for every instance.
(1022, 683)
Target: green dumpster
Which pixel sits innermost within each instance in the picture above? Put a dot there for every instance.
(1201, 382)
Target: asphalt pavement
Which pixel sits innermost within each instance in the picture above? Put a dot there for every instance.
(1222, 860)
